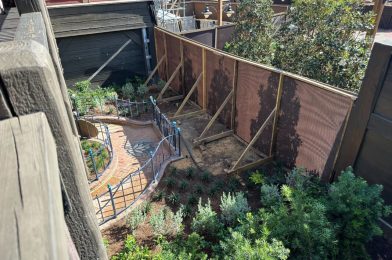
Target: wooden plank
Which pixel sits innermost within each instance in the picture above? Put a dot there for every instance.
(5, 108)
(252, 165)
(109, 60)
(169, 81)
(213, 119)
(188, 115)
(32, 223)
(210, 139)
(276, 117)
(154, 71)
(32, 27)
(188, 95)
(254, 139)
(204, 79)
(379, 63)
(233, 106)
(29, 78)
(381, 126)
(169, 99)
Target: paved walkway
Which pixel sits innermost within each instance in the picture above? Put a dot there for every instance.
(132, 146)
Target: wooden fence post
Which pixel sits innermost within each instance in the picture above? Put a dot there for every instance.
(31, 83)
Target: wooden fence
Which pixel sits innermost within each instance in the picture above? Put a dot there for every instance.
(289, 118)
(214, 37)
(32, 81)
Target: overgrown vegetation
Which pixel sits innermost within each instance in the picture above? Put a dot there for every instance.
(301, 218)
(324, 40)
(99, 152)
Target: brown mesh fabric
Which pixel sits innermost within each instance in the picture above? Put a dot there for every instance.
(173, 46)
(256, 98)
(310, 126)
(160, 52)
(219, 80)
(204, 37)
(193, 67)
(225, 34)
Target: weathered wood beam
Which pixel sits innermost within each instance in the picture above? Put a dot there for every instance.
(154, 71)
(169, 81)
(252, 165)
(32, 220)
(170, 99)
(32, 27)
(276, 117)
(204, 105)
(30, 81)
(212, 138)
(217, 113)
(188, 95)
(110, 59)
(233, 106)
(254, 139)
(188, 115)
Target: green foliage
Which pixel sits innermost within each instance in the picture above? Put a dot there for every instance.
(171, 183)
(85, 98)
(199, 189)
(128, 91)
(136, 217)
(173, 198)
(355, 208)
(234, 184)
(158, 195)
(183, 186)
(206, 220)
(100, 154)
(165, 222)
(254, 32)
(256, 178)
(133, 251)
(192, 200)
(205, 177)
(105, 242)
(190, 172)
(270, 195)
(236, 246)
(233, 206)
(321, 39)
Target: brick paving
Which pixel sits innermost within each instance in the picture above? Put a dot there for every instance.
(131, 145)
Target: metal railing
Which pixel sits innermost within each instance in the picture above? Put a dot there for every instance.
(96, 162)
(121, 196)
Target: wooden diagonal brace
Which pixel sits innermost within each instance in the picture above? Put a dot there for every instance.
(188, 115)
(213, 119)
(213, 138)
(276, 117)
(252, 165)
(189, 95)
(254, 139)
(154, 70)
(169, 81)
(109, 60)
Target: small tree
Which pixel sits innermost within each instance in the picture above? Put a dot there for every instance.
(253, 34)
(326, 40)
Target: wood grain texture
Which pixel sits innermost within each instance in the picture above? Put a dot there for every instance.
(32, 27)
(32, 224)
(32, 85)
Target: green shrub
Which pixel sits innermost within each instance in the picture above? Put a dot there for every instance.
(146, 207)
(183, 249)
(135, 218)
(183, 186)
(270, 195)
(128, 91)
(171, 183)
(355, 208)
(205, 177)
(173, 198)
(206, 220)
(233, 206)
(190, 172)
(192, 200)
(234, 184)
(157, 222)
(158, 195)
(236, 246)
(165, 222)
(256, 178)
(186, 210)
(199, 189)
(133, 251)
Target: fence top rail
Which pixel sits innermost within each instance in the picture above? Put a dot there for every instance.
(315, 83)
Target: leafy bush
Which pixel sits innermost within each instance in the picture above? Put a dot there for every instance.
(205, 177)
(190, 248)
(165, 222)
(270, 195)
(157, 222)
(128, 91)
(173, 198)
(171, 183)
(192, 200)
(183, 186)
(158, 195)
(355, 208)
(206, 220)
(236, 246)
(233, 206)
(135, 218)
(190, 172)
(199, 190)
(256, 178)
(133, 251)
